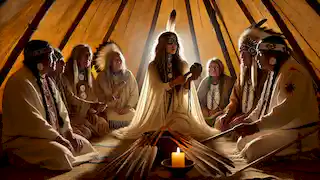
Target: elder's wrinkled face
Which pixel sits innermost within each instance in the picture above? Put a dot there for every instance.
(84, 60)
(214, 69)
(116, 62)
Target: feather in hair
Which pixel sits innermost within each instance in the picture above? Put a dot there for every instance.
(172, 21)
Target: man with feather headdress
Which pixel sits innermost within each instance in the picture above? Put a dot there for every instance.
(247, 90)
(117, 86)
(288, 101)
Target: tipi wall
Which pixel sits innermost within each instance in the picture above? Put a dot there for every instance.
(135, 25)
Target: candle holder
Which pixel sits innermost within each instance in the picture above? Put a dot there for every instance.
(178, 172)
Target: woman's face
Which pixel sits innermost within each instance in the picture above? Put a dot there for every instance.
(84, 60)
(171, 48)
(116, 62)
(214, 69)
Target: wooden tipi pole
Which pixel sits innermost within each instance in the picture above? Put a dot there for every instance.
(294, 44)
(110, 30)
(24, 39)
(147, 48)
(115, 20)
(217, 9)
(192, 30)
(315, 5)
(75, 23)
(246, 12)
(212, 14)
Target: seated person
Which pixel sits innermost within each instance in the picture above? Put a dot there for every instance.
(214, 91)
(88, 117)
(56, 74)
(247, 90)
(288, 101)
(117, 87)
(168, 97)
(36, 125)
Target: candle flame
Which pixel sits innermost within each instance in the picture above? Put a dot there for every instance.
(178, 150)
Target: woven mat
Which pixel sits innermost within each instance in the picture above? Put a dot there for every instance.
(110, 148)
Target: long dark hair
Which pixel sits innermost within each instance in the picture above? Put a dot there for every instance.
(31, 61)
(72, 63)
(161, 57)
(281, 57)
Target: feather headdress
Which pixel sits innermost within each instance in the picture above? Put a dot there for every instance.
(247, 42)
(102, 51)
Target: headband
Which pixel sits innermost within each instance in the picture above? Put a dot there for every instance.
(249, 45)
(168, 38)
(271, 47)
(40, 52)
(172, 39)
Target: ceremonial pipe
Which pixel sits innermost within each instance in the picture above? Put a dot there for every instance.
(246, 12)
(219, 135)
(272, 153)
(233, 129)
(212, 14)
(294, 44)
(316, 123)
(24, 39)
(147, 48)
(315, 5)
(75, 23)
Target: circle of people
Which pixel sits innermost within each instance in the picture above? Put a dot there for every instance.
(52, 108)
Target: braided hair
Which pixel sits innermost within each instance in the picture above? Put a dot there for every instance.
(35, 52)
(280, 56)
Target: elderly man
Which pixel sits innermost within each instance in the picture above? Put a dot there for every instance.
(288, 100)
(247, 90)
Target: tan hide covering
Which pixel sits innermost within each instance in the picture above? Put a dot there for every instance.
(151, 113)
(27, 133)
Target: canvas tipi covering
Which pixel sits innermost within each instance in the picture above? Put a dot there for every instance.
(207, 28)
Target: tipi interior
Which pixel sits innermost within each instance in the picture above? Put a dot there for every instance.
(206, 28)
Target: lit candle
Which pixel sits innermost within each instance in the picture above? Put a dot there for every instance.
(177, 159)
